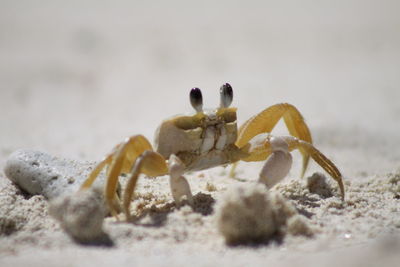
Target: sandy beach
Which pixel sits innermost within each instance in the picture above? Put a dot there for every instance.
(78, 78)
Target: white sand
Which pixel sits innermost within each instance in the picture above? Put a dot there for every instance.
(75, 79)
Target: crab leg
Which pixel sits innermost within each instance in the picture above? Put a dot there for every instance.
(153, 164)
(278, 163)
(138, 144)
(266, 120)
(150, 163)
(96, 171)
(317, 156)
(118, 161)
(276, 151)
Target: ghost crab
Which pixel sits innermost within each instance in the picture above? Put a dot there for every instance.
(207, 139)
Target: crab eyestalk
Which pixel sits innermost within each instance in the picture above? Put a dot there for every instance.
(196, 99)
(226, 93)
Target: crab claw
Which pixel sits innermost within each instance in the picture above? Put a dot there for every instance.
(278, 163)
(180, 188)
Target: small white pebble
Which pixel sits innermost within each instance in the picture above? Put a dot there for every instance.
(81, 214)
(40, 173)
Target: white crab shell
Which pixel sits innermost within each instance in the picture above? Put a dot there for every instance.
(199, 146)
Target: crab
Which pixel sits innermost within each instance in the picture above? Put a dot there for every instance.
(206, 139)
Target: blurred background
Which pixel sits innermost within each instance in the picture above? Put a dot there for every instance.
(76, 77)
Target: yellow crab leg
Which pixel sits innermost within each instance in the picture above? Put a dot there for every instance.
(150, 163)
(266, 120)
(320, 158)
(123, 159)
(120, 160)
(259, 149)
(95, 172)
(139, 143)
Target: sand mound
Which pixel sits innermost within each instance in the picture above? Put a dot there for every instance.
(251, 214)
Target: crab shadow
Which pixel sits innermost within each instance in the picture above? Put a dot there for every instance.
(156, 216)
(305, 202)
(103, 240)
(277, 239)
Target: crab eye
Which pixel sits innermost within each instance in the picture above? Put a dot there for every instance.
(226, 93)
(196, 99)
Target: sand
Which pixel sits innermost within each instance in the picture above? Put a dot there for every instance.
(75, 79)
